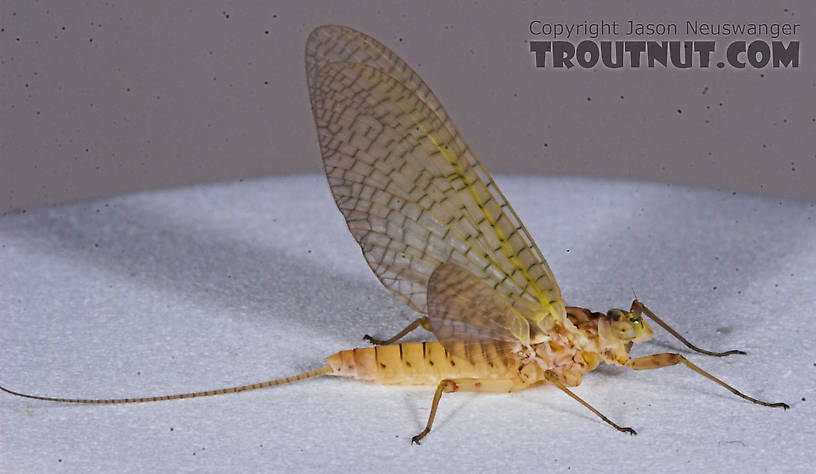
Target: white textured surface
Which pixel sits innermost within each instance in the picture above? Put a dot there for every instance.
(226, 284)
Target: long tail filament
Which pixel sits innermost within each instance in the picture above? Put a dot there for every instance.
(241, 388)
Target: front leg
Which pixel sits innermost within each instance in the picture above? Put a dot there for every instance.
(640, 308)
(656, 361)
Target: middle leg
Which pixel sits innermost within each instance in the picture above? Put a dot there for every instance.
(553, 379)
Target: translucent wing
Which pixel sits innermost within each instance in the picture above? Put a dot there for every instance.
(413, 195)
(463, 308)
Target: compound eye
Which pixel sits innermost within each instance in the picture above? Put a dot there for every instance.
(614, 314)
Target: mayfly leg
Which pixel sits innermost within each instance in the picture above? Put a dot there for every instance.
(553, 379)
(423, 321)
(656, 361)
(461, 385)
(640, 308)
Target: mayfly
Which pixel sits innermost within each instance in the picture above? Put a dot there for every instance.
(438, 233)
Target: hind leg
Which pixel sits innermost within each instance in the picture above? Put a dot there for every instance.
(461, 385)
(423, 321)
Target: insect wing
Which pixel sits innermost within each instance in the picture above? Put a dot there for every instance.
(463, 308)
(412, 193)
(335, 43)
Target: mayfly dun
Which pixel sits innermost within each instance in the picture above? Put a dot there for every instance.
(438, 233)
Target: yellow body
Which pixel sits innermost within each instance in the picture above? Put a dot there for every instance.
(428, 363)
(566, 354)
(419, 363)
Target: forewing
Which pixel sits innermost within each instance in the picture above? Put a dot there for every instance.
(335, 43)
(412, 193)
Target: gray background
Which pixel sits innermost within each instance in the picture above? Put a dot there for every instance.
(101, 99)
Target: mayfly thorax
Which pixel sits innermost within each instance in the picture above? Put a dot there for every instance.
(439, 235)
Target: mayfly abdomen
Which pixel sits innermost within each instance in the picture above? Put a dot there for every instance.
(417, 363)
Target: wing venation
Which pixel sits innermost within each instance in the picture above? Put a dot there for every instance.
(414, 196)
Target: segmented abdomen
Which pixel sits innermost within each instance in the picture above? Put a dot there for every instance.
(420, 363)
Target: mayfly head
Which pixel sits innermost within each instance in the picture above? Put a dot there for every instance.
(623, 327)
